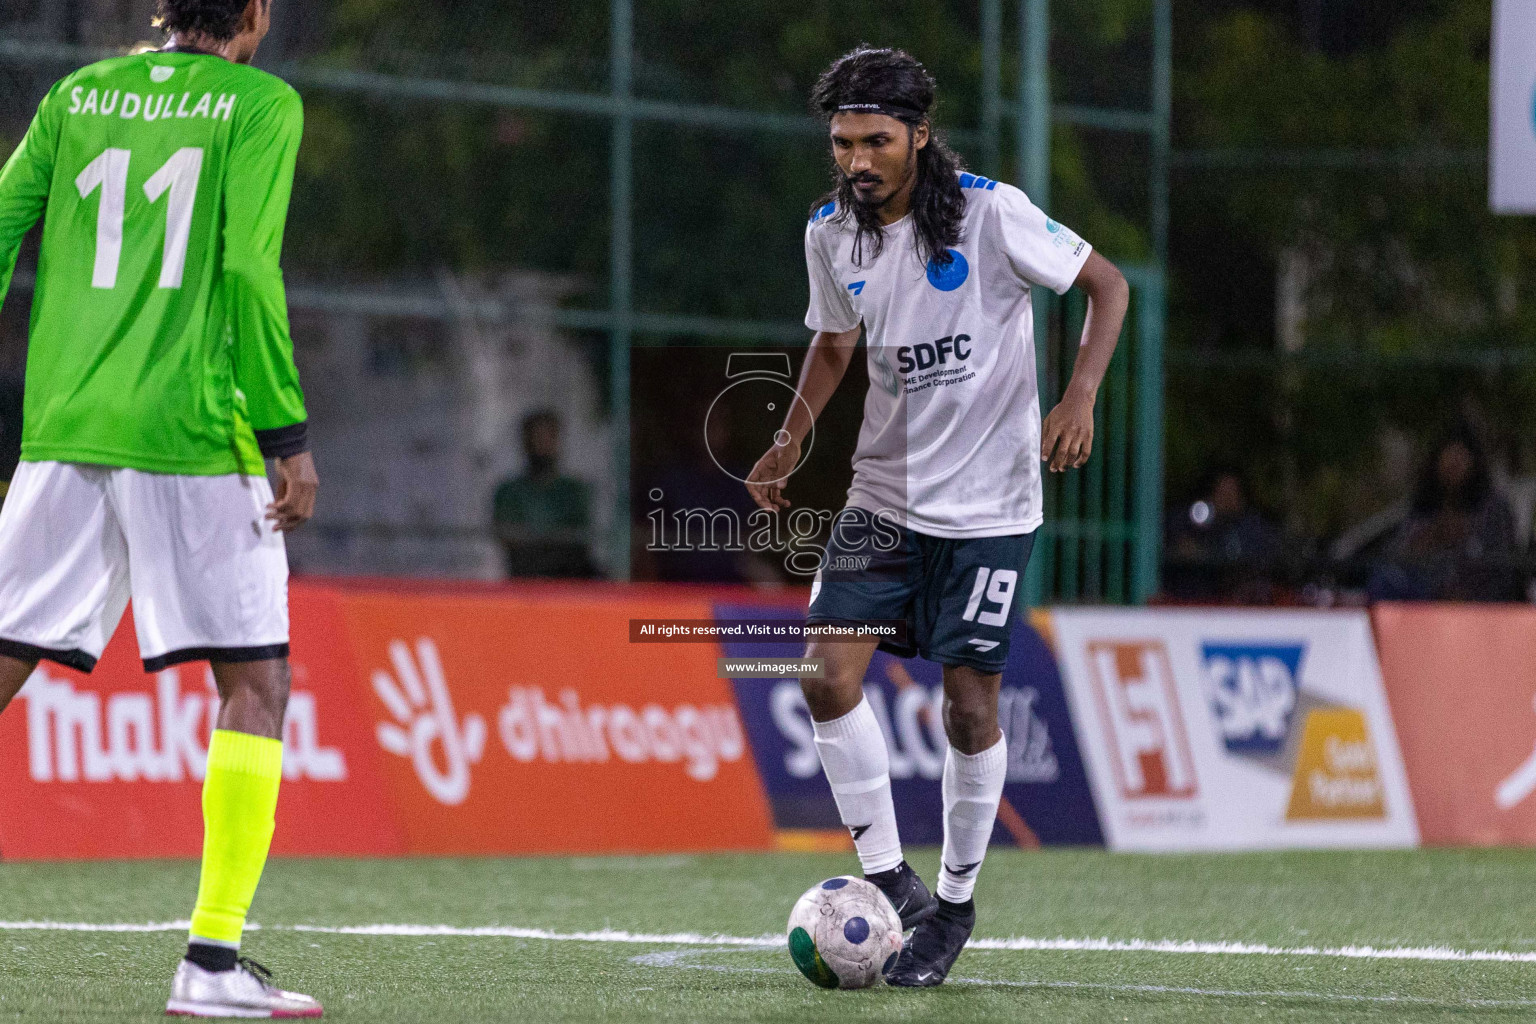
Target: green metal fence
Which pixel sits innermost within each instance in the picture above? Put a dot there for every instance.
(1103, 532)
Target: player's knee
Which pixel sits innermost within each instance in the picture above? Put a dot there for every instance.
(832, 696)
(970, 722)
(256, 693)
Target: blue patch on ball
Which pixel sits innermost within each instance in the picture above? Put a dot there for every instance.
(834, 883)
(855, 930)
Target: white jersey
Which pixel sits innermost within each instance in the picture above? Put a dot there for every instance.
(951, 438)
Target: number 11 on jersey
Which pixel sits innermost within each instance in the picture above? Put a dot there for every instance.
(109, 172)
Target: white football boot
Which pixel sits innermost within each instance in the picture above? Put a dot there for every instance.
(246, 991)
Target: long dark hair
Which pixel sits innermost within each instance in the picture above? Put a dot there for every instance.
(893, 82)
(217, 19)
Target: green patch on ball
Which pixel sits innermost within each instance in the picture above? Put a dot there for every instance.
(802, 949)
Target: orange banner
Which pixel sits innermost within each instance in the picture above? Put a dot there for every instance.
(532, 725)
(111, 764)
(1462, 681)
(421, 722)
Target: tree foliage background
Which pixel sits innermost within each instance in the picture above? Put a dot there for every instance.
(1401, 270)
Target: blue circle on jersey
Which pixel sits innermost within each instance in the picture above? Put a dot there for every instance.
(946, 277)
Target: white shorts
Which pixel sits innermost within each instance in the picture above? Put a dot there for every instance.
(207, 573)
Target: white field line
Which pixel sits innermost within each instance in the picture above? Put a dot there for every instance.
(1022, 944)
(686, 959)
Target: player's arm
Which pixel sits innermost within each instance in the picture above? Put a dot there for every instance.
(257, 191)
(836, 323)
(825, 364)
(1066, 436)
(24, 185)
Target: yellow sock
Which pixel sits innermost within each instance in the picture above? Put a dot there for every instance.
(239, 812)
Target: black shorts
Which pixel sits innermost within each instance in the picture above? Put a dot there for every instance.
(958, 596)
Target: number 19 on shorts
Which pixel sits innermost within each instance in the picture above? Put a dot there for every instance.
(992, 586)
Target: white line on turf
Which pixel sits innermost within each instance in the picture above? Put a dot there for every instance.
(1022, 944)
(686, 959)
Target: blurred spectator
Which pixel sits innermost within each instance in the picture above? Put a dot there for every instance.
(695, 518)
(543, 519)
(1221, 548)
(1458, 542)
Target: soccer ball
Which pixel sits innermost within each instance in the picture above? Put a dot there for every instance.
(843, 933)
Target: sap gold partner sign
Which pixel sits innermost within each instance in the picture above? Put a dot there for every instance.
(1336, 773)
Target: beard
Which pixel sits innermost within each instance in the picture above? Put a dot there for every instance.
(870, 207)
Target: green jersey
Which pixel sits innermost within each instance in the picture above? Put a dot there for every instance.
(159, 336)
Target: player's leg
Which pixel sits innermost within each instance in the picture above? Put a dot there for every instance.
(975, 609)
(974, 769)
(852, 588)
(857, 764)
(63, 571)
(245, 767)
(853, 751)
(210, 582)
(14, 674)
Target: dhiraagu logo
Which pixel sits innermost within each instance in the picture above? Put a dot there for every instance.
(1052, 226)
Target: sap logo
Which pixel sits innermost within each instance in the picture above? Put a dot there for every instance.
(1252, 689)
(857, 287)
(920, 357)
(1133, 685)
(946, 277)
(153, 737)
(914, 732)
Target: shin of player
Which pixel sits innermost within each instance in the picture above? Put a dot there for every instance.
(853, 753)
(245, 769)
(857, 764)
(974, 770)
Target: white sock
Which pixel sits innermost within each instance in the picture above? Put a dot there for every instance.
(858, 765)
(973, 785)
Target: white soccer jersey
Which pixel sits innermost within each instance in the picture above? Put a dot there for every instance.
(951, 436)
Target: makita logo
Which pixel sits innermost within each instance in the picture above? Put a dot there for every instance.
(160, 736)
(921, 357)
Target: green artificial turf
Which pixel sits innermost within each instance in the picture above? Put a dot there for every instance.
(1463, 900)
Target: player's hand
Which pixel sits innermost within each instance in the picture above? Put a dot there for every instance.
(297, 484)
(766, 481)
(1066, 437)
